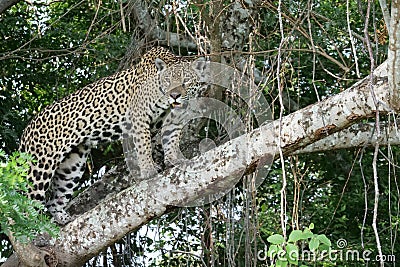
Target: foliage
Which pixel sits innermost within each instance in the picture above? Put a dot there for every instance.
(43, 57)
(285, 253)
(20, 215)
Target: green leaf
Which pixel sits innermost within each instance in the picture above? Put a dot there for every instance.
(18, 213)
(273, 251)
(306, 234)
(276, 239)
(292, 253)
(314, 244)
(295, 235)
(281, 263)
(311, 226)
(324, 247)
(324, 240)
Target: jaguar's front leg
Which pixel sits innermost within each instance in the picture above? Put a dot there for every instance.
(142, 140)
(171, 135)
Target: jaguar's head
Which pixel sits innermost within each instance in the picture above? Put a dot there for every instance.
(182, 80)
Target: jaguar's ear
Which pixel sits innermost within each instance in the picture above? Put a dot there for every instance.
(201, 67)
(160, 64)
(199, 64)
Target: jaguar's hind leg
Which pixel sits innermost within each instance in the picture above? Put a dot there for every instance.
(65, 181)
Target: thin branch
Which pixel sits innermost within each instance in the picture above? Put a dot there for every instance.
(365, 201)
(376, 202)
(9, 54)
(376, 151)
(314, 50)
(93, 21)
(28, 254)
(282, 159)
(188, 253)
(353, 47)
(343, 192)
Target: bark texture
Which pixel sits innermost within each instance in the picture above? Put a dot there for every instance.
(357, 135)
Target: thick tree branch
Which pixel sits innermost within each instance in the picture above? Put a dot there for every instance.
(357, 135)
(28, 255)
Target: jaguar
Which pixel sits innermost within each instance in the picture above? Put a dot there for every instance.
(122, 105)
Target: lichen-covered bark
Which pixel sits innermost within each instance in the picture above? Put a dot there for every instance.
(357, 135)
(28, 255)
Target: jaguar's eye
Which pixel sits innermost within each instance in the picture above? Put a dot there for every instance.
(167, 82)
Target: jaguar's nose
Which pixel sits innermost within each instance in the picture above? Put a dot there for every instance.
(175, 95)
